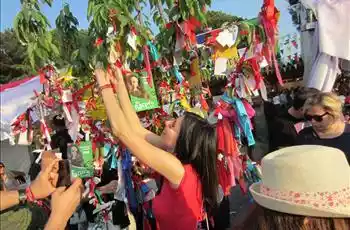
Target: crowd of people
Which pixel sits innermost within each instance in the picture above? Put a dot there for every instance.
(305, 180)
(313, 118)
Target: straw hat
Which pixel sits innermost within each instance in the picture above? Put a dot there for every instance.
(306, 180)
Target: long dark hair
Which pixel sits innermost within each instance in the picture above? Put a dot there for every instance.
(268, 219)
(196, 145)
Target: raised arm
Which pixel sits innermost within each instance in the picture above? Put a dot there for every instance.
(161, 161)
(130, 113)
(125, 102)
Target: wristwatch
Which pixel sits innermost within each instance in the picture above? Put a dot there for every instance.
(22, 196)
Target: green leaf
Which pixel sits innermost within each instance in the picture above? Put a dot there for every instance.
(90, 9)
(169, 3)
(45, 20)
(48, 2)
(23, 34)
(155, 16)
(55, 50)
(31, 55)
(66, 9)
(208, 2)
(40, 53)
(103, 15)
(151, 3)
(122, 19)
(17, 27)
(84, 55)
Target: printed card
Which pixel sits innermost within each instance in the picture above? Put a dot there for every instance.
(143, 96)
(81, 159)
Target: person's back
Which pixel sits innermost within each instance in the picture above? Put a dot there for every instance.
(61, 138)
(187, 199)
(282, 128)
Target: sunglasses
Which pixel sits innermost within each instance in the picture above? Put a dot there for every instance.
(317, 118)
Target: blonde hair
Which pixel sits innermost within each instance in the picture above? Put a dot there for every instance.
(330, 102)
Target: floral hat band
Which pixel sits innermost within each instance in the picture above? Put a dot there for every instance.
(329, 199)
(307, 180)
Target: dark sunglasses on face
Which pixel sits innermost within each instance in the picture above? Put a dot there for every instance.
(317, 118)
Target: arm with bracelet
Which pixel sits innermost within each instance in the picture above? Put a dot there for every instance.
(9, 199)
(129, 112)
(63, 203)
(41, 188)
(136, 141)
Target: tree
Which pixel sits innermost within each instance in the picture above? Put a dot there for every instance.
(13, 57)
(67, 34)
(32, 30)
(112, 24)
(216, 19)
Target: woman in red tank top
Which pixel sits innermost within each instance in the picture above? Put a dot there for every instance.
(190, 184)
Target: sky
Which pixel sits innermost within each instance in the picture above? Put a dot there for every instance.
(244, 8)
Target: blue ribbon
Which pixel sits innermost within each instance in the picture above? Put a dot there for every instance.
(242, 116)
(140, 57)
(144, 188)
(177, 74)
(114, 162)
(110, 155)
(153, 50)
(130, 193)
(200, 38)
(251, 176)
(106, 150)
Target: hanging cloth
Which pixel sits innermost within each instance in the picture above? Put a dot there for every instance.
(224, 175)
(269, 17)
(224, 52)
(226, 142)
(153, 51)
(130, 193)
(324, 73)
(334, 32)
(243, 119)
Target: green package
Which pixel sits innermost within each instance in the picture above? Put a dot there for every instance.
(81, 160)
(142, 95)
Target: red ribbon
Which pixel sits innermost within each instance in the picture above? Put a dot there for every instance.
(148, 65)
(45, 131)
(91, 104)
(82, 90)
(204, 103)
(268, 17)
(92, 186)
(43, 73)
(211, 40)
(256, 71)
(186, 32)
(98, 42)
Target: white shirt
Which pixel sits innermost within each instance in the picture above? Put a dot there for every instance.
(334, 30)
